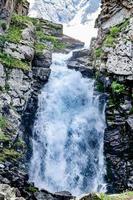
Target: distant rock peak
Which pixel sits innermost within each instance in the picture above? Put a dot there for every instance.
(63, 10)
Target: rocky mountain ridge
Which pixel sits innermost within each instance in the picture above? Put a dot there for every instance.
(63, 11)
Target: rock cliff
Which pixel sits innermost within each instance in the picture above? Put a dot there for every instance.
(26, 47)
(112, 59)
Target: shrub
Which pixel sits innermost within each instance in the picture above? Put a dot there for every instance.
(99, 52)
(20, 21)
(117, 88)
(109, 41)
(39, 47)
(114, 31)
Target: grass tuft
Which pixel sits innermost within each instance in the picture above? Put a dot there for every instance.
(117, 87)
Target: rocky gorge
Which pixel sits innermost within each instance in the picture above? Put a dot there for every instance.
(26, 47)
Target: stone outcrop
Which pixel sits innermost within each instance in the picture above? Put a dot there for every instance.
(80, 62)
(114, 12)
(112, 58)
(7, 7)
(14, 185)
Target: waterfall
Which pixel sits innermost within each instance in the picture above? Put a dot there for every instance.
(68, 133)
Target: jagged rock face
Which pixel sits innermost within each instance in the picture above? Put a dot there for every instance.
(114, 12)
(80, 62)
(6, 192)
(63, 11)
(7, 7)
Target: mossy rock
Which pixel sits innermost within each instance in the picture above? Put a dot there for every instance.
(4, 137)
(31, 189)
(3, 122)
(9, 154)
(93, 196)
(11, 62)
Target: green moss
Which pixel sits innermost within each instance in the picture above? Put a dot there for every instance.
(20, 21)
(117, 88)
(54, 40)
(99, 52)
(3, 137)
(32, 189)
(11, 153)
(2, 41)
(11, 62)
(13, 35)
(114, 31)
(19, 144)
(3, 122)
(39, 47)
(124, 24)
(109, 41)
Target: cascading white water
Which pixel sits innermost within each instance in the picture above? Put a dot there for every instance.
(68, 133)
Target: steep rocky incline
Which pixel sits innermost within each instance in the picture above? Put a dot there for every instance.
(112, 59)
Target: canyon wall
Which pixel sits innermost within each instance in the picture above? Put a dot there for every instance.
(26, 46)
(112, 59)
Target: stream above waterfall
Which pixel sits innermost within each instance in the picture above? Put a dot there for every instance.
(68, 133)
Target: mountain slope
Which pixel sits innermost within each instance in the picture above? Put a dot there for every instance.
(63, 10)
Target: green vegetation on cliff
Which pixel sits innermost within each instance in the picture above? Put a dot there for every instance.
(117, 87)
(12, 62)
(111, 38)
(42, 39)
(114, 32)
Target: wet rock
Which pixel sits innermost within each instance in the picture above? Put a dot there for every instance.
(43, 60)
(126, 107)
(130, 122)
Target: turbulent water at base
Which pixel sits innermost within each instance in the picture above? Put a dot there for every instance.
(68, 133)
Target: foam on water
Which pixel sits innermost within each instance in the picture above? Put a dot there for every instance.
(68, 133)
